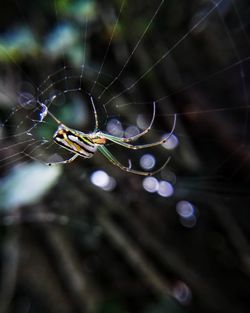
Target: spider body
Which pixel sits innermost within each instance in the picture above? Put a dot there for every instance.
(82, 144)
(86, 145)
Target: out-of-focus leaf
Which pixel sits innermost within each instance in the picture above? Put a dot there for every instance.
(17, 43)
(26, 184)
(62, 37)
(79, 10)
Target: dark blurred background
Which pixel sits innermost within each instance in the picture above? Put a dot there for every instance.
(88, 237)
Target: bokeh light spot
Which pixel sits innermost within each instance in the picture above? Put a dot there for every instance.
(171, 143)
(131, 131)
(147, 161)
(182, 293)
(141, 121)
(165, 189)
(102, 180)
(150, 184)
(27, 100)
(114, 127)
(189, 222)
(186, 212)
(185, 209)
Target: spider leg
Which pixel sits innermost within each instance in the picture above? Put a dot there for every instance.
(105, 152)
(64, 161)
(51, 163)
(133, 138)
(122, 141)
(95, 114)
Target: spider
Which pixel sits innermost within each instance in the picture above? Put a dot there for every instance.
(86, 144)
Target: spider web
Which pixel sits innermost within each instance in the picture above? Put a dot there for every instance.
(126, 57)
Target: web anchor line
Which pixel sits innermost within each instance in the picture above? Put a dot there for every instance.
(166, 54)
